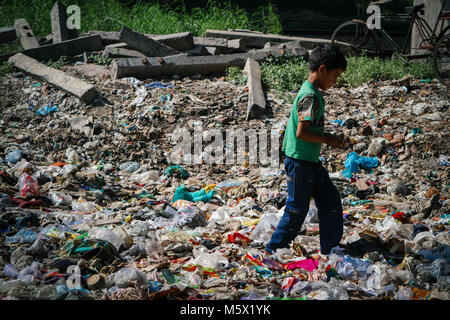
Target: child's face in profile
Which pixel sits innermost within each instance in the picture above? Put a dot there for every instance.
(328, 78)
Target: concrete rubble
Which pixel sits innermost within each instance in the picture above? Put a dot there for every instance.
(90, 184)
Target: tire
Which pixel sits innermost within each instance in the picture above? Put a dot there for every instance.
(441, 58)
(355, 37)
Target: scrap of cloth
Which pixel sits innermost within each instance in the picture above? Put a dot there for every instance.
(307, 264)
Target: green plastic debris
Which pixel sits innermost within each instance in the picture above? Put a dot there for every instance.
(177, 171)
(355, 203)
(182, 193)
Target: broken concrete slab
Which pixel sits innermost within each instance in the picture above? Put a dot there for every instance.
(256, 100)
(144, 44)
(258, 40)
(7, 34)
(188, 65)
(214, 51)
(178, 41)
(26, 35)
(118, 52)
(197, 50)
(108, 37)
(64, 48)
(224, 44)
(60, 31)
(84, 91)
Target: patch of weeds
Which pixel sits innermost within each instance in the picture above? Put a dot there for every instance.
(235, 74)
(6, 68)
(99, 59)
(62, 61)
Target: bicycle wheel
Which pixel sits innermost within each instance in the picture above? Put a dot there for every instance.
(354, 37)
(441, 59)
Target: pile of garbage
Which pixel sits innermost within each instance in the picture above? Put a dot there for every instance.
(91, 207)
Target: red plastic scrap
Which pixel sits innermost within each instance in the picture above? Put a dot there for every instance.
(236, 235)
(401, 216)
(288, 283)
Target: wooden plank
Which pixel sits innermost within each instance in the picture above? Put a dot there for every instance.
(256, 100)
(144, 44)
(84, 91)
(258, 40)
(189, 65)
(26, 35)
(7, 34)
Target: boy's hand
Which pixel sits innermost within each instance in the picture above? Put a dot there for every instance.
(333, 141)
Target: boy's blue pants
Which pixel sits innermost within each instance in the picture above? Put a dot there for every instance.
(305, 180)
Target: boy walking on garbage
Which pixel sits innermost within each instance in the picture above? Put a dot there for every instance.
(306, 177)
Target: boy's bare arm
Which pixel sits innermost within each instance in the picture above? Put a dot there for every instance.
(304, 134)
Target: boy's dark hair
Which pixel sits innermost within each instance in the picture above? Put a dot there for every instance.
(327, 55)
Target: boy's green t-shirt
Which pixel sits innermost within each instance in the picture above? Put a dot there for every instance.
(309, 105)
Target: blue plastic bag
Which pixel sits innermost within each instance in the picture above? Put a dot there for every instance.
(353, 163)
(14, 156)
(157, 84)
(46, 110)
(182, 193)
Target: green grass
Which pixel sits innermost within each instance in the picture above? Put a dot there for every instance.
(154, 18)
(284, 74)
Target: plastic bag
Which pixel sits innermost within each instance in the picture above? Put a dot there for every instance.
(265, 228)
(182, 194)
(124, 277)
(353, 163)
(46, 110)
(28, 185)
(129, 166)
(107, 235)
(176, 171)
(11, 271)
(208, 260)
(60, 198)
(23, 236)
(13, 157)
(83, 206)
(31, 272)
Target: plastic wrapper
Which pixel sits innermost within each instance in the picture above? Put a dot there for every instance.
(28, 185)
